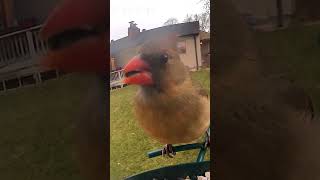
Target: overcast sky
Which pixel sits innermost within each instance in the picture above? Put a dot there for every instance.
(148, 14)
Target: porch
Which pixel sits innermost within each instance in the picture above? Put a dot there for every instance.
(20, 52)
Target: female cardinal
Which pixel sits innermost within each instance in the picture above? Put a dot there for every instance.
(168, 106)
(76, 34)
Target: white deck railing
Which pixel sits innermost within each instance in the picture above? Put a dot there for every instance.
(26, 45)
(116, 78)
(21, 45)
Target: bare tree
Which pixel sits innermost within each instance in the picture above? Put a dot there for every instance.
(204, 21)
(171, 21)
(206, 6)
(203, 18)
(188, 18)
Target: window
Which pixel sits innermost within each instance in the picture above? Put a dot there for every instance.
(181, 47)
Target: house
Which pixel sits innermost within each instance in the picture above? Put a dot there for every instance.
(189, 46)
(269, 13)
(19, 14)
(307, 10)
(205, 48)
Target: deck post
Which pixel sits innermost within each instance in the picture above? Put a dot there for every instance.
(4, 85)
(30, 43)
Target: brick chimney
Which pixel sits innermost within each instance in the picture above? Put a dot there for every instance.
(133, 30)
(113, 64)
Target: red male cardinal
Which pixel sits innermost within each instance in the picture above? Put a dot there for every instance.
(168, 106)
(77, 36)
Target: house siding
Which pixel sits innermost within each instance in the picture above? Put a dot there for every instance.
(189, 58)
(34, 9)
(199, 51)
(205, 50)
(124, 57)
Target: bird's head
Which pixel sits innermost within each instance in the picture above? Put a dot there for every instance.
(76, 33)
(157, 66)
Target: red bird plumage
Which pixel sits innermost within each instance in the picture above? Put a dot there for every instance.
(87, 53)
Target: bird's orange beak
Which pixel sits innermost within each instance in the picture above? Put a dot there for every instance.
(88, 54)
(137, 72)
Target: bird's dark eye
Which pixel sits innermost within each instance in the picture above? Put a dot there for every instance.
(164, 58)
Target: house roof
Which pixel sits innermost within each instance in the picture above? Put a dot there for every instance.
(182, 29)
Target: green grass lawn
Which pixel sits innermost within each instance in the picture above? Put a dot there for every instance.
(129, 144)
(296, 53)
(36, 130)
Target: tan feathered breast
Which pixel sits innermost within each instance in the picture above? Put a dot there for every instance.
(177, 115)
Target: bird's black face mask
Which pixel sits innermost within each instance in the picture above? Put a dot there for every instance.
(157, 62)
